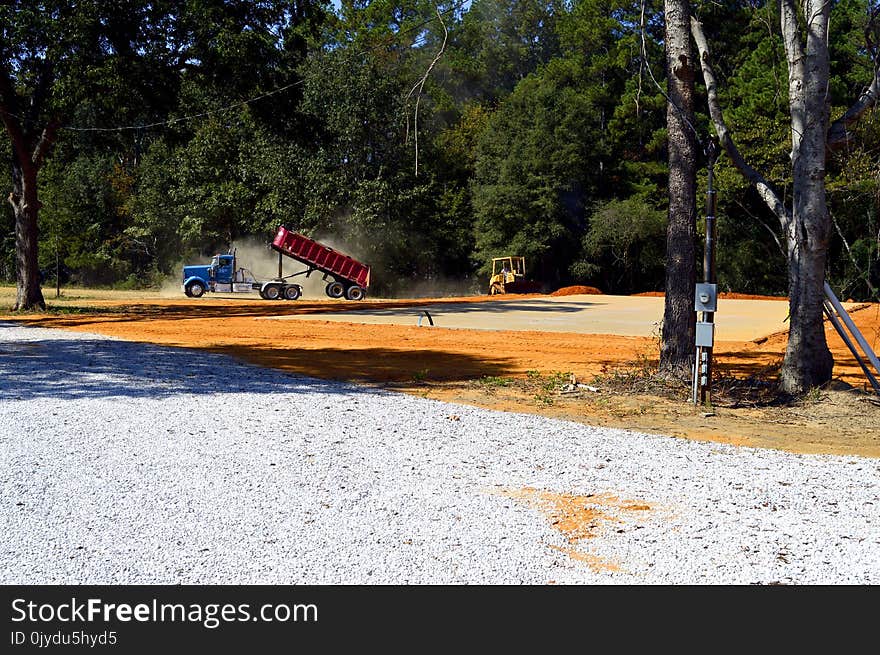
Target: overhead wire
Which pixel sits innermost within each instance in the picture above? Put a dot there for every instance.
(171, 121)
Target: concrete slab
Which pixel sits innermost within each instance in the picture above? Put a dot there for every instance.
(737, 320)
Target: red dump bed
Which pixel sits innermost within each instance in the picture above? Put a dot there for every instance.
(321, 257)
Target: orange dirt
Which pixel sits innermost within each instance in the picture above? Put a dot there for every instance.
(578, 517)
(453, 364)
(577, 290)
(724, 295)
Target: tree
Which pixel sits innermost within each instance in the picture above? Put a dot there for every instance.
(52, 56)
(676, 353)
(806, 223)
(108, 62)
(540, 163)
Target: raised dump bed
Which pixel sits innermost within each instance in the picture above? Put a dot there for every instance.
(350, 278)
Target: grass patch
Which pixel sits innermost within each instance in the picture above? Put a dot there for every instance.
(69, 310)
(494, 381)
(420, 376)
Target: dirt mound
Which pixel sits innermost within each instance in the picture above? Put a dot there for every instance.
(732, 295)
(577, 291)
(728, 295)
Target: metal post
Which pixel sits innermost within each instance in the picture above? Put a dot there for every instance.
(57, 270)
(706, 293)
(709, 275)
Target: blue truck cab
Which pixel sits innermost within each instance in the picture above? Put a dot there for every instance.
(219, 275)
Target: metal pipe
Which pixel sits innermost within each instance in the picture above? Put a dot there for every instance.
(709, 272)
(852, 327)
(829, 312)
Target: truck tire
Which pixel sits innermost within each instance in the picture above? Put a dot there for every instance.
(335, 290)
(272, 291)
(355, 293)
(195, 289)
(495, 290)
(292, 292)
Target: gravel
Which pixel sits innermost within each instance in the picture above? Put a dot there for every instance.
(128, 463)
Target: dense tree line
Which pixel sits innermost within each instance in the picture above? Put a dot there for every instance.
(540, 128)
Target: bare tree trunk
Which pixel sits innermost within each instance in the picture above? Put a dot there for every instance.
(808, 361)
(677, 348)
(26, 206)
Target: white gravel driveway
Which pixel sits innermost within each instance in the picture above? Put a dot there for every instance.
(129, 463)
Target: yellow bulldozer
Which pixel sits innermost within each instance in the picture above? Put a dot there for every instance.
(509, 276)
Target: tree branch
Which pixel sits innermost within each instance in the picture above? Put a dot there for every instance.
(768, 195)
(794, 52)
(47, 138)
(769, 229)
(421, 85)
(863, 276)
(838, 133)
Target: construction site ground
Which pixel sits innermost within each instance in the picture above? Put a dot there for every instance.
(588, 358)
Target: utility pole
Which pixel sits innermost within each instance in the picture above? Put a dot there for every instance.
(57, 267)
(706, 293)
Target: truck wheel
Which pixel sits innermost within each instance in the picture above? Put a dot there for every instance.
(335, 290)
(355, 293)
(195, 289)
(292, 292)
(495, 289)
(272, 291)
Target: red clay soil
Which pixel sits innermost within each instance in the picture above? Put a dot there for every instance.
(728, 295)
(577, 291)
(474, 366)
(390, 353)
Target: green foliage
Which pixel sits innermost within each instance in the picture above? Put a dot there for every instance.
(541, 132)
(624, 246)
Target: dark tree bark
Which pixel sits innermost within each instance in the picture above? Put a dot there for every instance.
(29, 149)
(677, 348)
(25, 207)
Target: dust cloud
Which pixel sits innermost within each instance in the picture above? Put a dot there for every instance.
(255, 255)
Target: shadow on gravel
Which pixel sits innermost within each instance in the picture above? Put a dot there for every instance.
(97, 368)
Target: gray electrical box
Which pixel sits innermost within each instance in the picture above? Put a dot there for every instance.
(706, 297)
(705, 334)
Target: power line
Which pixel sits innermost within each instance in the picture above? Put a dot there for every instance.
(120, 128)
(180, 119)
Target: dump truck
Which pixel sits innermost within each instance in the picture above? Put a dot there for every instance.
(509, 276)
(345, 276)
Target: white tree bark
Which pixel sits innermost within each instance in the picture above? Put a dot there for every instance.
(808, 362)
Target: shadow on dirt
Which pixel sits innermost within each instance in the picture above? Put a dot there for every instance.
(373, 364)
(63, 316)
(97, 368)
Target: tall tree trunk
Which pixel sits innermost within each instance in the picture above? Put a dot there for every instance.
(25, 206)
(808, 362)
(677, 348)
